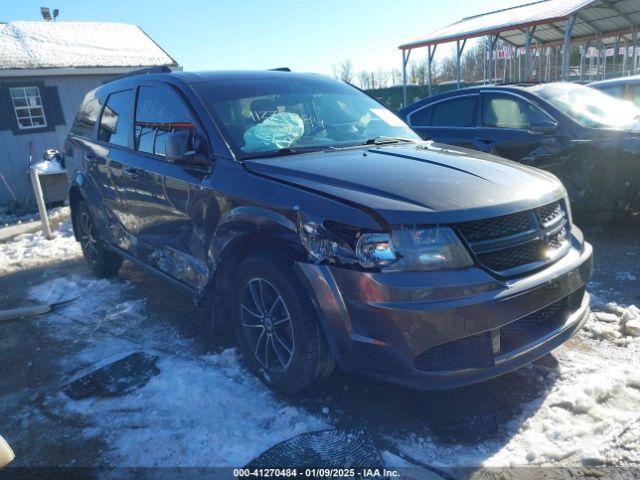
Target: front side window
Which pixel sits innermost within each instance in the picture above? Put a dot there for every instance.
(265, 116)
(159, 112)
(457, 112)
(27, 104)
(115, 123)
(504, 111)
(422, 117)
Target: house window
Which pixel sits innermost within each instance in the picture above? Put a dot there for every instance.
(27, 104)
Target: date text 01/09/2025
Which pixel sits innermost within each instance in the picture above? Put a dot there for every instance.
(315, 473)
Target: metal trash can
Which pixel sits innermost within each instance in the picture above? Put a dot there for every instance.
(53, 177)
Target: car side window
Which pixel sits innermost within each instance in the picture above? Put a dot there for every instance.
(159, 111)
(422, 117)
(456, 112)
(115, 122)
(503, 111)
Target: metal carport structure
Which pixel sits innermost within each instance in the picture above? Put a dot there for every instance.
(548, 22)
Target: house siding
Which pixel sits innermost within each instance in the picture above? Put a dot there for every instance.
(14, 149)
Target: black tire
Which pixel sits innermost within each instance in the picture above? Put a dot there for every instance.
(103, 263)
(309, 361)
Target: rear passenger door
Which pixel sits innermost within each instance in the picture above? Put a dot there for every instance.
(164, 199)
(507, 130)
(452, 120)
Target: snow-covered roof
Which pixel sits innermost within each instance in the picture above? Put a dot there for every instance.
(37, 45)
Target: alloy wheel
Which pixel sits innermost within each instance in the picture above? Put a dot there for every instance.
(266, 324)
(87, 239)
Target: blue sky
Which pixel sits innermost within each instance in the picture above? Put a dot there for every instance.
(306, 35)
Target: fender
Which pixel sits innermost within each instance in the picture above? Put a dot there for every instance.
(90, 195)
(237, 227)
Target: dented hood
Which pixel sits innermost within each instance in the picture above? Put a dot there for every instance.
(416, 183)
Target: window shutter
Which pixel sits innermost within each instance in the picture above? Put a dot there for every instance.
(6, 110)
(52, 106)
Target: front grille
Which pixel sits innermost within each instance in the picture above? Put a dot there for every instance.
(496, 227)
(476, 351)
(514, 244)
(549, 213)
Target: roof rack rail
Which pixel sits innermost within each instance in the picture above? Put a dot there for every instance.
(280, 69)
(142, 71)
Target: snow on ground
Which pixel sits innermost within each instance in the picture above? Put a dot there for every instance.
(7, 219)
(208, 410)
(32, 249)
(199, 411)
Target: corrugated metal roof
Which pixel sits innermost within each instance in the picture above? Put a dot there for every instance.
(594, 17)
(33, 45)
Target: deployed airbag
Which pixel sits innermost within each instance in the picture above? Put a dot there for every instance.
(280, 130)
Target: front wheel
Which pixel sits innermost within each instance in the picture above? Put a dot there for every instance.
(276, 326)
(103, 263)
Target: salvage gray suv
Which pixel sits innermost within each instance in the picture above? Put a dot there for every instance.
(320, 225)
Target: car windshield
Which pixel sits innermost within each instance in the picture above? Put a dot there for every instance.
(265, 117)
(590, 107)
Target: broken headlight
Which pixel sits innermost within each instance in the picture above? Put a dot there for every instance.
(420, 249)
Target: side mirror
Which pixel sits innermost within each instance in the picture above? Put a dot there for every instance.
(543, 126)
(182, 147)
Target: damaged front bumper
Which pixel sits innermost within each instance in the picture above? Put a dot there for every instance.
(440, 330)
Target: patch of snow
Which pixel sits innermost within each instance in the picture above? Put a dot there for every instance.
(28, 45)
(615, 324)
(33, 249)
(7, 219)
(198, 411)
(48, 167)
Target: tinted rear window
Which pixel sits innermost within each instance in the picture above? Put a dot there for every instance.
(116, 122)
(457, 112)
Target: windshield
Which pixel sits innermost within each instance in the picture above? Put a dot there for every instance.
(590, 107)
(262, 116)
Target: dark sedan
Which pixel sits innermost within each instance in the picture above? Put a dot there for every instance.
(587, 138)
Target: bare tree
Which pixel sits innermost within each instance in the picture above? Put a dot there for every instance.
(344, 71)
(396, 76)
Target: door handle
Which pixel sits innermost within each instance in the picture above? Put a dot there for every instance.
(486, 141)
(130, 172)
(89, 157)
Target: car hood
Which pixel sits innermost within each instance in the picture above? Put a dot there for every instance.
(422, 183)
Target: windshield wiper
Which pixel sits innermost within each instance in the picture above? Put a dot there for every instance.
(385, 140)
(283, 152)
